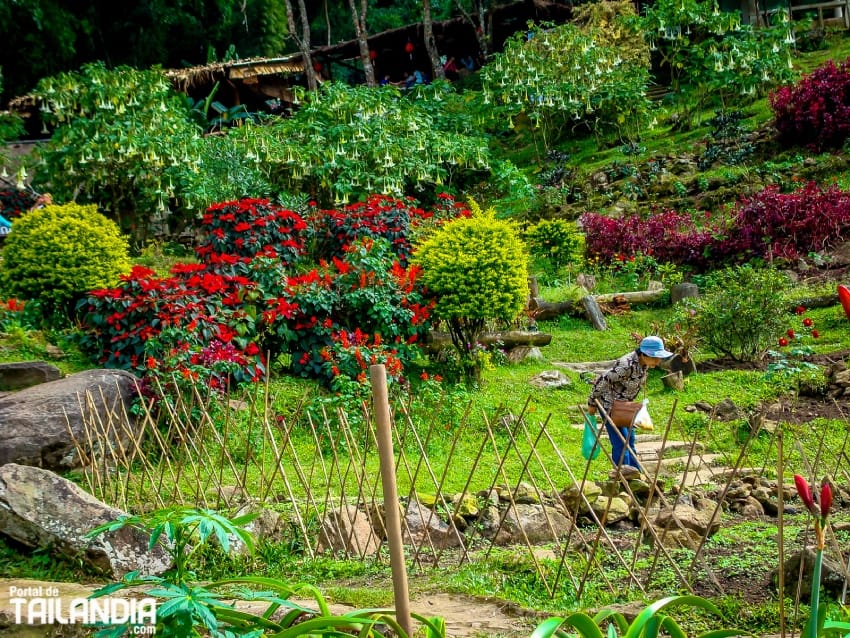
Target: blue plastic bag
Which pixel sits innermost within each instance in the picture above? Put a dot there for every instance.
(590, 439)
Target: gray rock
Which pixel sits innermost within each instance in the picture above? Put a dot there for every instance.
(536, 523)
(554, 379)
(40, 423)
(748, 507)
(674, 538)
(525, 493)
(572, 497)
(424, 528)
(611, 509)
(683, 291)
(519, 354)
(41, 510)
(348, 530)
(683, 516)
(832, 578)
(23, 374)
(726, 410)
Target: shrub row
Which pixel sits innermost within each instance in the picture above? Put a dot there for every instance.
(767, 225)
(257, 295)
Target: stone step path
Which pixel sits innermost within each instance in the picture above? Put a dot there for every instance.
(699, 469)
(703, 468)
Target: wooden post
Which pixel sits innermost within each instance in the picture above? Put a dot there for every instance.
(594, 312)
(378, 379)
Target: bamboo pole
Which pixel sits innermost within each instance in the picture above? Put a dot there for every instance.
(378, 379)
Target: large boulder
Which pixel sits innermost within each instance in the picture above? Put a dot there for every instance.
(41, 423)
(42, 510)
(23, 374)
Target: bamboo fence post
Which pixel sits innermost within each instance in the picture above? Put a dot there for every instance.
(378, 379)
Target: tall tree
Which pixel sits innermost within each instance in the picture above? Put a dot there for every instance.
(478, 15)
(358, 19)
(430, 44)
(303, 41)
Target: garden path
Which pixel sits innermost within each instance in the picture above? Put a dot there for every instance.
(465, 616)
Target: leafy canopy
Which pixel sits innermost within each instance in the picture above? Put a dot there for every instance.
(122, 135)
(555, 74)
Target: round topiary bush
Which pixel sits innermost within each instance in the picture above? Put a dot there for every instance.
(55, 254)
(476, 269)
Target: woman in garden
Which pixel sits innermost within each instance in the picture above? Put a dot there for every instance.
(623, 382)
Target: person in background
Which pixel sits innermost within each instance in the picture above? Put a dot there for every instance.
(450, 69)
(623, 382)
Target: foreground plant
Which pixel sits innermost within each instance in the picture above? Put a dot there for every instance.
(186, 607)
(648, 623)
(817, 624)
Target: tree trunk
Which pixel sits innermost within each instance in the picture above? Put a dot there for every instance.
(480, 24)
(328, 22)
(359, 21)
(639, 296)
(543, 310)
(312, 84)
(510, 339)
(594, 312)
(437, 71)
(303, 42)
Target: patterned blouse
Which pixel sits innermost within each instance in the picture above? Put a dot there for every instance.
(622, 382)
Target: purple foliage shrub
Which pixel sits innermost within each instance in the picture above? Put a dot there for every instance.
(771, 224)
(815, 112)
(668, 237)
(768, 225)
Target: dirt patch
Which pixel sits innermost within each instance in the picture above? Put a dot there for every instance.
(721, 364)
(802, 407)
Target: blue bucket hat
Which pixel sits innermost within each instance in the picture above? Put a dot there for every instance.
(654, 347)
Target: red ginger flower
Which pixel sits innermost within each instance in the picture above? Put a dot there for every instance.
(805, 493)
(825, 500)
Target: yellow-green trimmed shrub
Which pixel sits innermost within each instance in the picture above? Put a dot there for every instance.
(56, 254)
(476, 269)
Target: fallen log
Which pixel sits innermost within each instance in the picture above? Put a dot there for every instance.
(509, 339)
(822, 301)
(638, 296)
(543, 310)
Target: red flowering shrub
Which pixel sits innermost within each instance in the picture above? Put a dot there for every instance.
(773, 224)
(367, 292)
(15, 202)
(815, 112)
(217, 322)
(380, 216)
(249, 228)
(768, 225)
(126, 326)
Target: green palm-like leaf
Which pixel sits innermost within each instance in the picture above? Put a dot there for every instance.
(244, 619)
(435, 627)
(327, 625)
(836, 628)
(616, 618)
(284, 589)
(724, 633)
(580, 621)
(639, 625)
